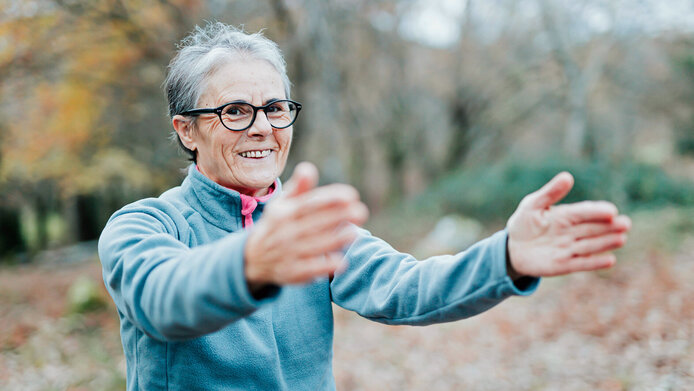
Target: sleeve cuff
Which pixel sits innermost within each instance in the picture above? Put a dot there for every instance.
(523, 286)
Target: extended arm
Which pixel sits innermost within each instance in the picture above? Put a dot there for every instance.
(164, 287)
(391, 287)
(543, 240)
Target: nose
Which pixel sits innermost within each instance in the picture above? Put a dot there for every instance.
(261, 127)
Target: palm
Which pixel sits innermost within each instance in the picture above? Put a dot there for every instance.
(302, 233)
(547, 239)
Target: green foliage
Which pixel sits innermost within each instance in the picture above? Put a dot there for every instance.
(651, 186)
(684, 128)
(29, 228)
(684, 134)
(662, 230)
(493, 192)
(85, 296)
(686, 65)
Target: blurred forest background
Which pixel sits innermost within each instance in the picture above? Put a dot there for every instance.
(430, 108)
(472, 103)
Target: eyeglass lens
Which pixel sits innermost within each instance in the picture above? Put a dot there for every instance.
(237, 116)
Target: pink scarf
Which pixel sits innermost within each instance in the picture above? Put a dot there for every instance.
(248, 205)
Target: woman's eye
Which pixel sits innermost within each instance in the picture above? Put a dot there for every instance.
(237, 110)
(278, 108)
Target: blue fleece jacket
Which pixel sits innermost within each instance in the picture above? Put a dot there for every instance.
(175, 269)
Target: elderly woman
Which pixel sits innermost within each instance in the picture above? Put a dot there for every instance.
(226, 282)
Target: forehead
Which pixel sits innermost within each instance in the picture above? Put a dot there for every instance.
(245, 79)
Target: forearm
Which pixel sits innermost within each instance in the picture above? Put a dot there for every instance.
(391, 287)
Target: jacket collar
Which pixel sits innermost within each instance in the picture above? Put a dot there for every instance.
(217, 204)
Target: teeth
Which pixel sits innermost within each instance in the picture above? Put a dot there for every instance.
(255, 154)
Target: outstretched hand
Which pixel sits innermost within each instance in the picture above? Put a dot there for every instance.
(301, 234)
(547, 240)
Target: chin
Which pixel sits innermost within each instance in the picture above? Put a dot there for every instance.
(260, 183)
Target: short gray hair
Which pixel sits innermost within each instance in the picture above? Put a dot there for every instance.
(202, 52)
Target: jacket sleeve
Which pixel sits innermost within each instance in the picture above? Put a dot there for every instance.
(165, 288)
(390, 287)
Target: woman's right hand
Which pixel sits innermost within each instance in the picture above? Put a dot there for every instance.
(301, 234)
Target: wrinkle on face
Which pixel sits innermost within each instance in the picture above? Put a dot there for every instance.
(219, 148)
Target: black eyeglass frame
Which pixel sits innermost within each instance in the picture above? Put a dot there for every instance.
(218, 111)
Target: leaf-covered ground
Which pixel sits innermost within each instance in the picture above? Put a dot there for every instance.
(630, 328)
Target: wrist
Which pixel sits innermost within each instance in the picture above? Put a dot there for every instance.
(257, 288)
(510, 270)
(252, 275)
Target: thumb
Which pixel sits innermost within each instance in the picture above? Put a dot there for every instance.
(303, 179)
(552, 192)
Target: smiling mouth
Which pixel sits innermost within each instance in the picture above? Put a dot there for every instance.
(256, 154)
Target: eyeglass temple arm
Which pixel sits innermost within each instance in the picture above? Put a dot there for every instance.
(200, 111)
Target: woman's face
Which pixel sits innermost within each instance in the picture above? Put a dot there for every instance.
(222, 153)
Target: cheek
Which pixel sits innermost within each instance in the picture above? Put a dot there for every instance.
(285, 140)
(225, 142)
(285, 144)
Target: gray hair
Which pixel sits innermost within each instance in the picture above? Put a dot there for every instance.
(202, 52)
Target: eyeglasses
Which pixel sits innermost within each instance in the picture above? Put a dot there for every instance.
(238, 116)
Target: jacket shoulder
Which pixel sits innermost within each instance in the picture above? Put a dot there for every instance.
(168, 210)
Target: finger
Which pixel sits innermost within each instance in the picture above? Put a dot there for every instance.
(588, 230)
(331, 219)
(588, 263)
(317, 204)
(303, 179)
(307, 270)
(319, 226)
(598, 244)
(587, 211)
(325, 197)
(293, 247)
(324, 242)
(624, 221)
(552, 192)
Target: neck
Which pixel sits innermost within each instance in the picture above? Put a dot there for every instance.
(251, 192)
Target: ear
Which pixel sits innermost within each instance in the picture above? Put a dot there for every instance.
(184, 129)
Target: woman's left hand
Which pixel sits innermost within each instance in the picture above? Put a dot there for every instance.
(547, 240)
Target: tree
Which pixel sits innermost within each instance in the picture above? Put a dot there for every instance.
(68, 69)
